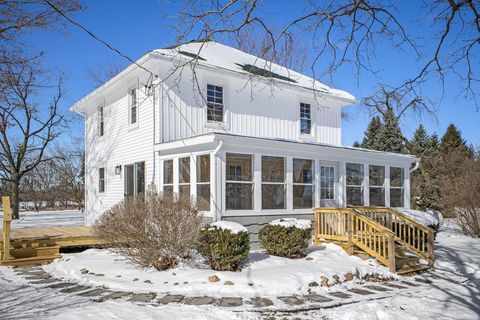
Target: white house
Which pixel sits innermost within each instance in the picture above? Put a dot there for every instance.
(249, 140)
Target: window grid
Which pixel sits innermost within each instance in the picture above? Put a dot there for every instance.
(203, 182)
(184, 177)
(133, 106)
(377, 185)
(396, 187)
(214, 103)
(327, 182)
(273, 186)
(101, 121)
(101, 180)
(354, 184)
(168, 176)
(305, 118)
(239, 185)
(303, 184)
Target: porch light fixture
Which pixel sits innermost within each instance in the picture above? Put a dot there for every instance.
(118, 170)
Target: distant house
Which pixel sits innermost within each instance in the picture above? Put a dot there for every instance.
(249, 140)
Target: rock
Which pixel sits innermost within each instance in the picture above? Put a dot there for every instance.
(99, 275)
(308, 258)
(250, 284)
(171, 298)
(91, 273)
(228, 283)
(317, 298)
(118, 276)
(348, 276)
(136, 279)
(198, 301)
(213, 278)
(148, 281)
(313, 284)
(325, 282)
(176, 284)
(83, 271)
(230, 302)
(143, 297)
(260, 302)
(291, 300)
(336, 278)
(185, 282)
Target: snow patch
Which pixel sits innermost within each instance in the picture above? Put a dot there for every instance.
(426, 218)
(292, 222)
(230, 225)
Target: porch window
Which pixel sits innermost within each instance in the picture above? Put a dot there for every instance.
(168, 176)
(396, 187)
(302, 183)
(239, 182)
(273, 182)
(354, 184)
(214, 103)
(101, 121)
(203, 182)
(327, 182)
(134, 179)
(305, 118)
(101, 180)
(184, 176)
(133, 106)
(377, 185)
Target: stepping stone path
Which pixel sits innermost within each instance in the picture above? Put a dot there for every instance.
(261, 302)
(291, 300)
(171, 298)
(143, 297)
(229, 302)
(317, 298)
(38, 276)
(198, 301)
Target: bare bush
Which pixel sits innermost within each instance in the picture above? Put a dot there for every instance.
(152, 230)
(463, 196)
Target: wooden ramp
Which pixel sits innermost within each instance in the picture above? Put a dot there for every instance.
(30, 246)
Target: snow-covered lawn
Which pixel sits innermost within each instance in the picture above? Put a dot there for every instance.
(44, 219)
(263, 275)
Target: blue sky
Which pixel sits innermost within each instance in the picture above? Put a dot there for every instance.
(135, 27)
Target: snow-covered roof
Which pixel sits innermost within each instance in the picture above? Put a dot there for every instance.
(217, 55)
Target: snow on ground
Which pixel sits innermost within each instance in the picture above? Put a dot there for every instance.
(263, 274)
(44, 219)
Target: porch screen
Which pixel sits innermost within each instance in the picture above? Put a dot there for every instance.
(203, 182)
(184, 177)
(377, 185)
(168, 176)
(354, 184)
(239, 182)
(273, 182)
(327, 182)
(302, 183)
(396, 187)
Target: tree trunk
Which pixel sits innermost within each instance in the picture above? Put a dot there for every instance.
(15, 190)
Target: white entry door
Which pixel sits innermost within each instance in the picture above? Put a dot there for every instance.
(328, 184)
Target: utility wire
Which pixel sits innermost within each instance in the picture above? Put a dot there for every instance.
(91, 34)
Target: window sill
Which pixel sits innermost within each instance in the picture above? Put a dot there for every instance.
(217, 125)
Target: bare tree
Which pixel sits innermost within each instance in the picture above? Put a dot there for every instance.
(39, 185)
(26, 127)
(348, 33)
(69, 165)
(101, 73)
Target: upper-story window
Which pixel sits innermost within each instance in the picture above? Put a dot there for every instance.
(101, 180)
(305, 118)
(101, 121)
(133, 106)
(215, 108)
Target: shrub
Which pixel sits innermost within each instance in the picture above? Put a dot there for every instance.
(224, 249)
(286, 237)
(151, 231)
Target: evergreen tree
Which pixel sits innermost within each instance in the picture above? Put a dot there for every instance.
(370, 140)
(452, 141)
(390, 136)
(356, 144)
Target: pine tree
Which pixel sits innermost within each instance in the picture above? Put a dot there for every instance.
(370, 140)
(356, 144)
(390, 136)
(452, 141)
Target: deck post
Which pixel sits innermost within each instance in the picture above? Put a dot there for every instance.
(350, 233)
(315, 226)
(391, 254)
(7, 218)
(430, 246)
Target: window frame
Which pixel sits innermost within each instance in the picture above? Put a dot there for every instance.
(203, 183)
(135, 166)
(184, 183)
(214, 103)
(166, 184)
(303, 118)
(322, 184)
(401, 188)
(266, 183)
(101, 120)
(102, 186)
(250, 182)
(311, 184)
(133, 98)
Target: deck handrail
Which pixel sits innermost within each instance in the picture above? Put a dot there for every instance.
(409, 233)
(346, 224)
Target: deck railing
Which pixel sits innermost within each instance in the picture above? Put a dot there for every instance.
(408, 232)
(343, 224)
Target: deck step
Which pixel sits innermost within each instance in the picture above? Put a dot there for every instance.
(30, 261)
(412, 269)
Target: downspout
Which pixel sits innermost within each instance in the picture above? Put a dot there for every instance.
(417, 165)
(218, 211)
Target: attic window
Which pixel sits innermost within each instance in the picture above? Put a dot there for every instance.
(214, 103)
(263, 72)
(191, 55)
